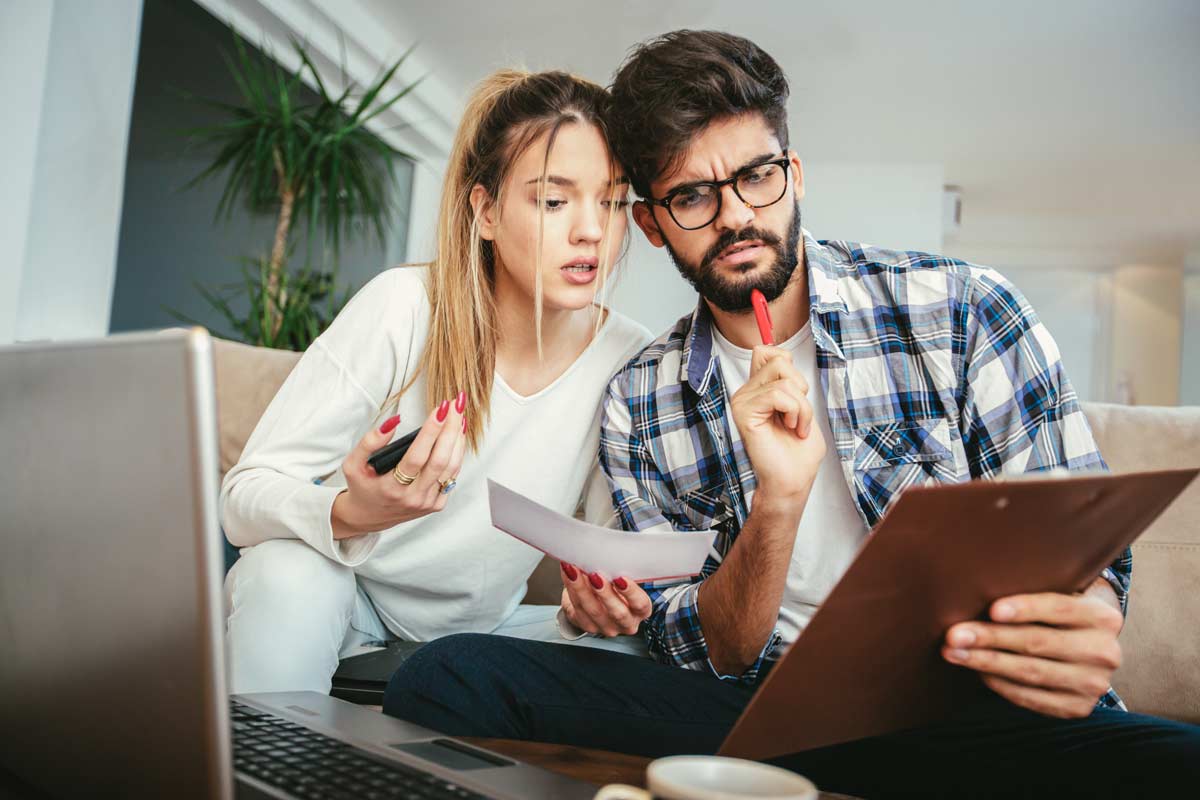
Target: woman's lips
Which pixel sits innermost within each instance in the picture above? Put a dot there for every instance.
(579, 277)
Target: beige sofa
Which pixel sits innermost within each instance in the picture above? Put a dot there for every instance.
(1161, 640)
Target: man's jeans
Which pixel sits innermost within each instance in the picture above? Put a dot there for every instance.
(486, 685)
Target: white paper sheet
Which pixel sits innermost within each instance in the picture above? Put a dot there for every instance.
(646, 556)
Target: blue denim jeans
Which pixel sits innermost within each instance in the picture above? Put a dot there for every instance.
(487, 685)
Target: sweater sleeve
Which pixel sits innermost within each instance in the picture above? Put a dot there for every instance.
(333, 395)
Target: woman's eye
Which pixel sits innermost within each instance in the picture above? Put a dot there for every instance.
(620, 205)
(553, 204)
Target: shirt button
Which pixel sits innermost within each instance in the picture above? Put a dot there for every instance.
(900, 448)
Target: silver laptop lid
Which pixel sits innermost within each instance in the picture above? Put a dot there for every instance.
(112, 669)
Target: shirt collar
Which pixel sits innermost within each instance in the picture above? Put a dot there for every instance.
(824, 273)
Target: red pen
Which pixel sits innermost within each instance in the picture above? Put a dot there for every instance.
(762, 315)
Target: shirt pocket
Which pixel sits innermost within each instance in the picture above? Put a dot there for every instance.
(706, 509)
(891, 457)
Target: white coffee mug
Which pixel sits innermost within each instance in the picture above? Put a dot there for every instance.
(713, 778)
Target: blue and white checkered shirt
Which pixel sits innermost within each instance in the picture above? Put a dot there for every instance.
(934, 371)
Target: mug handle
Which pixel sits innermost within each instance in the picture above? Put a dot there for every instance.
(622, 791)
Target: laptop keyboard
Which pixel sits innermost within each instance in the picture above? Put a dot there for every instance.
(309, 765)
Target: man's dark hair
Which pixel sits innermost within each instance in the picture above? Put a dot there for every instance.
(672, 87)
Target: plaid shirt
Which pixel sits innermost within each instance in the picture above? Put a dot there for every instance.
(934, 371)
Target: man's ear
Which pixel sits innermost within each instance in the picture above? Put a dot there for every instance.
(643, 215)
(485, 211)
(797, 174)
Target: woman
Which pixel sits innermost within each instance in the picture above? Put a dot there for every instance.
(497, 350)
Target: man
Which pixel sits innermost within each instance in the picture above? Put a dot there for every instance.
(894, 369)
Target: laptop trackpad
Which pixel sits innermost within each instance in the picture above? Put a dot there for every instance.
(453, 755)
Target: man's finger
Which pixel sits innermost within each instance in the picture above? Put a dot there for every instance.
(1088, 646)
(764, 353)
(1052, 704)
(1037, 672)
(1057, 609)
(775, 369)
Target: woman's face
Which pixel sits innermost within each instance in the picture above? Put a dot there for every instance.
(580, 198)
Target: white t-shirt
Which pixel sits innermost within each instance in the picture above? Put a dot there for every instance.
(831, 529)
(445, 572)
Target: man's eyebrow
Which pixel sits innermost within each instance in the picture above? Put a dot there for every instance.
(754, 162)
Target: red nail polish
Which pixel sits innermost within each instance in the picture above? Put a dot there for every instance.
(460, 404)
(443, 410)
(620, 583)
(389, 424)
(597, 581)
(570, 571)
(464, 423)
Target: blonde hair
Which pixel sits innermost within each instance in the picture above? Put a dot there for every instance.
(506, 114)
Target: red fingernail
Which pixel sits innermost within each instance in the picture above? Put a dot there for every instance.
(620, 584)
(461, 403)
(443, 410)
(389, 424)
(597, 581)
(570, 571)
(464, 423)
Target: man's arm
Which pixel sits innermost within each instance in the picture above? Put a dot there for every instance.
(1051, 653)
(725, 619)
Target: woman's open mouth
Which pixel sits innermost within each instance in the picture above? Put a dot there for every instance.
(581, 270)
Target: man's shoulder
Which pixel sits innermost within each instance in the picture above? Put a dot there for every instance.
(877, 273)
(661, 359)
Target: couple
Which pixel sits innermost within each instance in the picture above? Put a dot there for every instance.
(503, 352)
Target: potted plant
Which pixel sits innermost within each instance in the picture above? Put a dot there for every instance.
(312, 164)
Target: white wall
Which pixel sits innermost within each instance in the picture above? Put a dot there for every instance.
(1147, 302)
(898, 206)
(1189, 383)
(24, 50)
(1074, 305)
(80, 126)
(895, 206)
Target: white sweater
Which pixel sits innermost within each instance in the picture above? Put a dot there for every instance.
(446, 572)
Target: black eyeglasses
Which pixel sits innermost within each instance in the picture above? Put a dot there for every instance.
(697, 204)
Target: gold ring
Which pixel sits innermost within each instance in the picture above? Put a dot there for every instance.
(448, 485)
(401, 478)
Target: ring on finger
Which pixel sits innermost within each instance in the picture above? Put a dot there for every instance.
(403, 478)
(448, 485)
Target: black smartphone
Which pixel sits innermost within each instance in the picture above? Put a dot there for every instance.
(386, 458)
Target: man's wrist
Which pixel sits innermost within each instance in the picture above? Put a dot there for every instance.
(775, 509)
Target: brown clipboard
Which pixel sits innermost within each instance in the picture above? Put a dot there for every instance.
(870, 662)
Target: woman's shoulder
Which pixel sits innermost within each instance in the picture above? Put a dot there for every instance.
(405, 285)
(385, 315)
(395, 296)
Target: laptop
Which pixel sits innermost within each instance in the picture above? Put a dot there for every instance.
(112, 676)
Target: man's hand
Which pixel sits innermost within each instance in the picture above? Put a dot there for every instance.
(595, 605)
(1051, 653)
(775, 420)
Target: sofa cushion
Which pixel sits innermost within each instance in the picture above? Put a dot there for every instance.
(247, 378)
(1161, 670)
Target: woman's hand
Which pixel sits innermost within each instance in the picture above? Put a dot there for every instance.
(374, 502)
(595, 605)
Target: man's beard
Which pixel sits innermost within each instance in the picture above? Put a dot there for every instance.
(731, 294)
